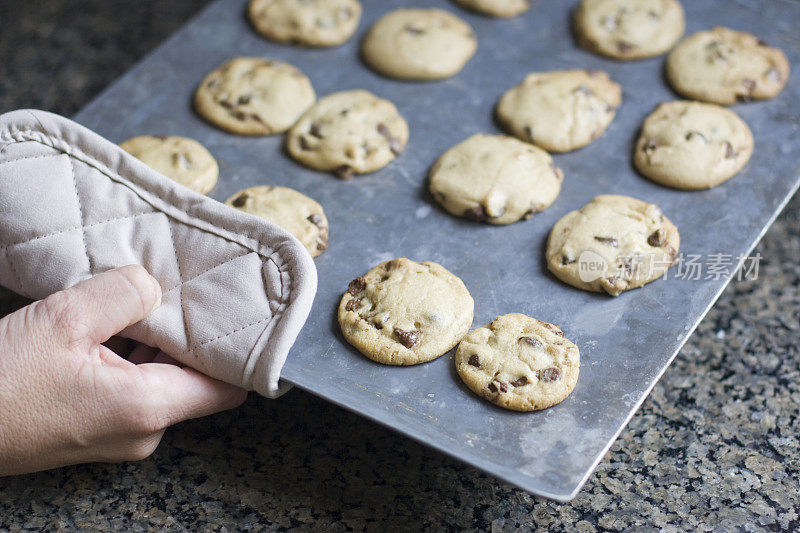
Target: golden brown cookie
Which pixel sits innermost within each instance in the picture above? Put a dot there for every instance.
(305, 22)
(419, 44)
(347, 133)
(179, 158)
(519, 363)
(496, 179)
(612, 244)
(629, 29)
(292, 210)
(692, 145)
(560, 110)
(723, 66)
(254, 96)
(404, 313)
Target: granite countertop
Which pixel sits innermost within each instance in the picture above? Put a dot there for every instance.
(714, 447)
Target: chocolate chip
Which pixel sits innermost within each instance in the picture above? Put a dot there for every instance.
(160, 137)
(529, 132)
(762, 42)
(567, 260)
(624, 47)
(649, 145)
(240, 200)
(496, 385)
(394, 142)
(406, 338)
(322, 242)
(344, 172)
(530, 340)
(474, 361)
(353, 304)
(212, 83)
(653, 15)
(304, 143)
(611, 241)
(692, 134)
(730, 153)
(241, 115)
(477, 214)
(656, 238)
(226, 104)
(414, 31)
(357, 285)
(315, 219)
(244, 99)
(527, 215)
(316, 131)
(521, 382)
(548, 375)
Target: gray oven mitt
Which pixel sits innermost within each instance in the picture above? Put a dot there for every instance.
(237, 289)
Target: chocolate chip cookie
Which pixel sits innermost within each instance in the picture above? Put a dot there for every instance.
(519, 363)
(306, 22)
(723, 66)
(560, 110)
(496, 179)
(254, 96)
(629, 29)
(419, 44)
(692, 145)
(347, 133)
(292, 210)
(179, 158)
(497, 8)
(612, 244)
(404, 313)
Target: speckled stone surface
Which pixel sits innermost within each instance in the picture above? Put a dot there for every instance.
(714, 448)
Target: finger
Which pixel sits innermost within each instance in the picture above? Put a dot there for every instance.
(184, 393)
(99, 307)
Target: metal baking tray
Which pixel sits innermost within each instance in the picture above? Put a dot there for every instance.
(626, 342)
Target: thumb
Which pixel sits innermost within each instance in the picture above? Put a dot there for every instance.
(94, 310)
(183, 393)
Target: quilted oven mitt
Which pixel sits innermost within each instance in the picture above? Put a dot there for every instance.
(237, 289)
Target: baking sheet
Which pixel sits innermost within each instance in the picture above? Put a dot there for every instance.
(626, 342)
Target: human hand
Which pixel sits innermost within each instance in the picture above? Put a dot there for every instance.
(65, 398)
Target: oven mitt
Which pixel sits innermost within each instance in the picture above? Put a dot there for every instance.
(237, 289)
